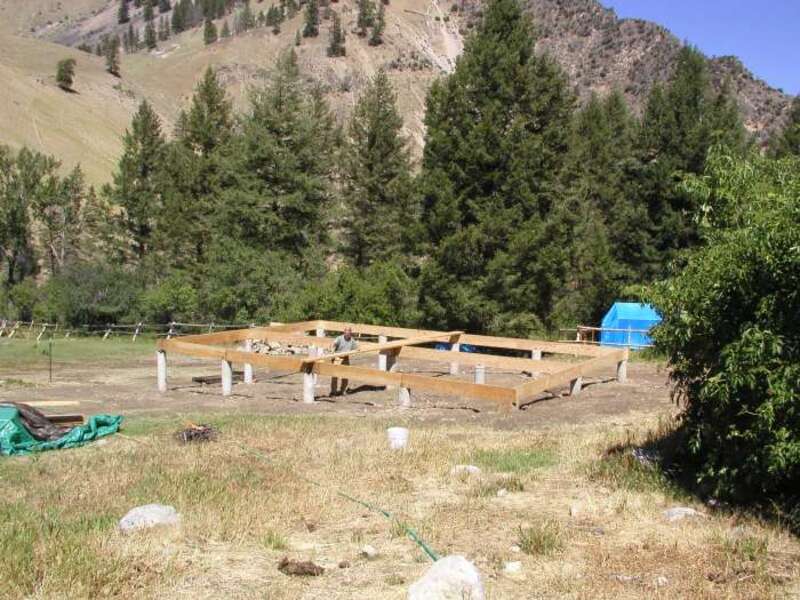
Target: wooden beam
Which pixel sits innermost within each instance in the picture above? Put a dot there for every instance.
(488, 360)
(197, 350)
(440, 385)
(478, 340)
(528, 390)
(451, 336)
(238, 335)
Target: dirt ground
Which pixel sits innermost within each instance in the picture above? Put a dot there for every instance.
(130, 389)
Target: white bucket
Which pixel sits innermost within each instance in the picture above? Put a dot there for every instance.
(398, 437)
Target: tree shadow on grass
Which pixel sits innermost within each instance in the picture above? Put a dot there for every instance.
(662, 462)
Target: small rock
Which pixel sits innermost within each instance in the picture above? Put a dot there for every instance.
(465, 470)
(678, 513)
(502, 492)
(511, 567)
(299, 568)
(345, 564)
(515, 549)
(450, 578)
(627, 578)
(661, 581)
(149, 515)
(369, 552)
(575, 510)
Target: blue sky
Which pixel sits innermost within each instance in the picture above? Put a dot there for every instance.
(764, 34)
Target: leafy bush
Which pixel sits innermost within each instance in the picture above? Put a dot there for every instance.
(731, 330)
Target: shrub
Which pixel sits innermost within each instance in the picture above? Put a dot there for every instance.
(731, 330)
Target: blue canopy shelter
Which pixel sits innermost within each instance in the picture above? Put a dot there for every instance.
(628, 324)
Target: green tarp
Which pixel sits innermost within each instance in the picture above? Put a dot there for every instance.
(15, 439)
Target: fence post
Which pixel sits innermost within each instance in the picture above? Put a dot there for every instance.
(171, 331)
(161, 368)
(248, 367)
(2, 327)
(41, 333)
(108, 333)
(136, 331)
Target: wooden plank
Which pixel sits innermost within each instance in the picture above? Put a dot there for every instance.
(238, 335)
(278, 362)
(488, 360)
(189, 349)
(440, 385)
(452, 336)
(51, 403)
(560, 378)
(478, 340)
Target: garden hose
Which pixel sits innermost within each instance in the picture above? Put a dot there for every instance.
(409, 531)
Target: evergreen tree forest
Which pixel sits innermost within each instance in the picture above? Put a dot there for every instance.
(527, 211)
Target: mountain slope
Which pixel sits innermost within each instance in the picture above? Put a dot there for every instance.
(422, 40)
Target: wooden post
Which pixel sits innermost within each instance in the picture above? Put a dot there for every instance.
(308, 387)
(41, 333)
(108, 333)
(404, 397)
(575, 386)
(622, 371)
(227, 378)
(480, 374)
(248, 368)
(454, 365)
(136, 332)
(161, 368)
(536, 355)
(382, 339)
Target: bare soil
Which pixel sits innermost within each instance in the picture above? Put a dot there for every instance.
(130, 390)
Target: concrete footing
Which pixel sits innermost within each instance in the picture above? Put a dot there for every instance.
(454, 365)
(227, 378)
(536, 354)
(480, 374)
(381, 356)
(404, 397)
(161, 368)
(308, 387)
(248, 368)
(575, 386)
(622, 371)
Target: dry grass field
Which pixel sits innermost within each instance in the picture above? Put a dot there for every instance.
(583, 523)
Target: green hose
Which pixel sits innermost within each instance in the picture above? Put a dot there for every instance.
(410, 532)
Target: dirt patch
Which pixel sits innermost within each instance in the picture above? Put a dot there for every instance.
(130, 389)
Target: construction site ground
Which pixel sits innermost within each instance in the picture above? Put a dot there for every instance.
(553, 513)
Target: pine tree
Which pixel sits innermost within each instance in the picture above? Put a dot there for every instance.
(164, 6)
(311, 27)
(209, 122)
(226, 32)
(111, 53)
(247, 20)
(163, 29)
(336, 46)
(134, 189)
(148, 14)
(209, 32)
(65, 74)
(376, 39)
(283, 165)
(123, 15)
(496, 141)
(366, 16)
(787, 142)
(376, 177)
(297, 38)
(150, 37)
(178, 18)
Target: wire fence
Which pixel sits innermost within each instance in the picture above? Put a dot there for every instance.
(40, 330)
(631, 338)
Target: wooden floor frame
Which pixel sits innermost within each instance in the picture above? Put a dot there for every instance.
(397, 343)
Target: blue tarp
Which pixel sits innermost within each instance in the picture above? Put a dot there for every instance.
(629, 317)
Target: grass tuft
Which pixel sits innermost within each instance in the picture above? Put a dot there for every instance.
(274, 540)
(541, 539)
(514, 460)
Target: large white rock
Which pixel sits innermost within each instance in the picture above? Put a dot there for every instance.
(149, 515)
(450, 578)
(679, 513)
